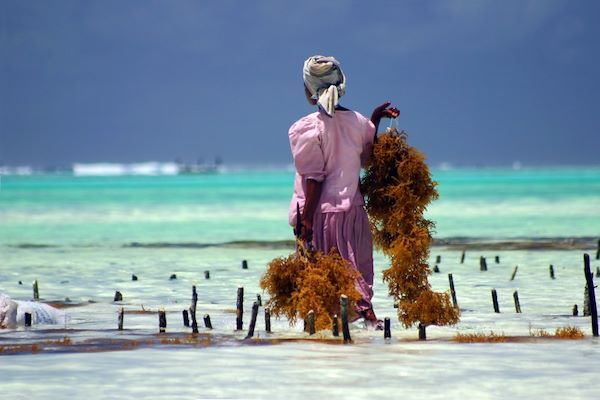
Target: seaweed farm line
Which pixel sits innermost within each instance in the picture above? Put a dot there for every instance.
(91, 329)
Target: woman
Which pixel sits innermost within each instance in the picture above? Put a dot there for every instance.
(329, 148)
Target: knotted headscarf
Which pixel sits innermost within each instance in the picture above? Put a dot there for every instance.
(325, 80)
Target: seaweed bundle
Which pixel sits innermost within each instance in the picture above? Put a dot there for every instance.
(398, 188)
(306, 281)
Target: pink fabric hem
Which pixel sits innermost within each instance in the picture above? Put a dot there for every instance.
(350, 233)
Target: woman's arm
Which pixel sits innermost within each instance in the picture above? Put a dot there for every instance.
(313, 195)
(383, 112)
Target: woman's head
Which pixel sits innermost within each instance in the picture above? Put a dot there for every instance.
(324, 81)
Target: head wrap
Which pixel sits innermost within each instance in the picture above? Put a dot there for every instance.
(325, 80)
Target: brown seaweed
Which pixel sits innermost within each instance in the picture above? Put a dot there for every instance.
(306, 281)
(398, 188)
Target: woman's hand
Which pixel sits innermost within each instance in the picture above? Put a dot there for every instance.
(384, 111)
(306, 232)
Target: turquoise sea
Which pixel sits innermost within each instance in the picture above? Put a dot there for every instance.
(62, 210)
(83, 237)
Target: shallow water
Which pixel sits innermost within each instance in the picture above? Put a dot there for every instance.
(74, 236)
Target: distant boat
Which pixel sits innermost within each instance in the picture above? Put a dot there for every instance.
(200, 167)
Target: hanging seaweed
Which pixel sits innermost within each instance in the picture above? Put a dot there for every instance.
(306, 281)
(398, 188)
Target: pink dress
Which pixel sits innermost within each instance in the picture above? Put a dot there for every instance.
(332, 150)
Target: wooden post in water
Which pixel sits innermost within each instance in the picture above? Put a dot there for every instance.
(452, 291)
(186, 318)
(335, 330)
(436, 269)
(591, 293)
(27, 319)
(193, 310)
(252, 320)
(422, 332)
(497, 259)
(482, 264)
(36, 290)
(162, 320)
(345, 327)
(462, 257)
(245, 264)
(121, 318)
(259, 300)
(207, 323)
(598, 251)
(552, 271)
(438, 259)
(387, 331)
(206, 274)
(239, 309)
(597, 272)
(118, 296)
(575, 310)
(495, 301)
(173, 277)
(267, 320)
(586, 300)
(311, 322)
(517, 302)
(134, 277)
(512, 277)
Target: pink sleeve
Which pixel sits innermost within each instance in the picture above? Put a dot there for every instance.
(306, 150)
(368, 142)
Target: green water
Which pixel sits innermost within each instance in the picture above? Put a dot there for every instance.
(252, 205)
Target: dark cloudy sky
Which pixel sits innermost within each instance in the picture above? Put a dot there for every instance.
(478, 82)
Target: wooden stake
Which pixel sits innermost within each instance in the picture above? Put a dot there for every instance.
(422, 332)
(27, 319)
(193, 310)
(462, 257)
(186, 318)
(252, 320)
(497, 259)
(436, 269)
(512, 277)
(495, 301)
(438, 259)
(586, 301)
(239, 309)
(118, 296)
(517, 303)
(387, 331)
(335, 330)
(207, 323)
(173, 277)
(482, 264)
(121, 318)
(206, 274)
(244, 264)
(162, 320)
(311, 322)
(36, 290)
(552, 271)
(345, 327)
(575, 310)
(452, 291)
(267, 320)
(591, 293)
(259, 300)
(134, 277)
(598, 251)
(597, 272)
